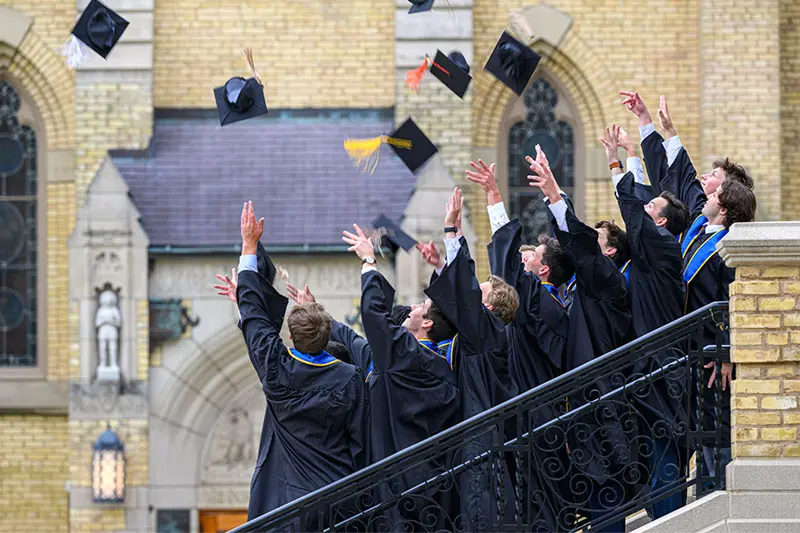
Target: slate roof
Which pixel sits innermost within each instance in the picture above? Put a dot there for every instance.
(191, 182)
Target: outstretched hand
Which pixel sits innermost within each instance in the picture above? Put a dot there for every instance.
(359, 243)
(543, 176)
(453, 208)
(230, 284)
(610, 142)
(635, 105)
(251, 230)
(300, 297)
(430, 252)
(665, 119)
(484, 176)
(626, 143)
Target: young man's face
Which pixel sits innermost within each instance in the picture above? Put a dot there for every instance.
(602, 240)
(654, 208)
(528, 258)
(712, 209)
(712, 180)
(417, 315)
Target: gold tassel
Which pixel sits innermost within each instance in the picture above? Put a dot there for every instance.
(376, 237)
(366, 152)
(248, 55)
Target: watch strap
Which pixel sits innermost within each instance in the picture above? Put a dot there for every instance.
(451, 229)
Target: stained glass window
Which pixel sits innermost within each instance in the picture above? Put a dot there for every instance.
(556, 139)
(17, 235)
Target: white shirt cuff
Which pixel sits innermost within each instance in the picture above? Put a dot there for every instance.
(634, 164)
(559, 210)
(498, 217)
(645, 131)
(452, 246)
(438, 270)
(673, 147)
(247, 262)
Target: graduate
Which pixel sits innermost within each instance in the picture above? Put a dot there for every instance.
(413, 393)
(657, 294)
(599, 321)
(480, 312)
(312, 433)
(705, 274)
(537, 337)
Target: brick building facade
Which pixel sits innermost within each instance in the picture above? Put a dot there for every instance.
(728, 67)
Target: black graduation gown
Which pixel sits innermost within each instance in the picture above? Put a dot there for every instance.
(357, 346)
(480, 360)
(312, 433)
(602, 441)
(680, 178)
(657, 293)
(537, 349)
(413, 394)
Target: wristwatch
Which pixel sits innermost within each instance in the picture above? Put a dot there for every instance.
(368, 261)
(451, 229)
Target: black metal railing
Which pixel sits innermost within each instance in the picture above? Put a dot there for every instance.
(578, 450)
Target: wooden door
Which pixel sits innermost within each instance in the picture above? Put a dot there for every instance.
(221, 521)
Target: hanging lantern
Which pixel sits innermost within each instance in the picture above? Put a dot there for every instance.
(108, 468)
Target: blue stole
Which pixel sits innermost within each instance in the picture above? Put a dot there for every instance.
(444, 349)
(571, 284)
(321, 359)
(704, 252)
(626, 272)
(553, 290)
(692, 233)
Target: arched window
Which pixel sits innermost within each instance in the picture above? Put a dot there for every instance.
(17, 235)
(540, 126)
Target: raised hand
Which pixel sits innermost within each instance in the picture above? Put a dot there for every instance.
(635, 105)
(251, 230)
(543, 176)
(610, 142)
(300, 297)
(430, 252)
(626, 143)
(453, 208)
(359, 243)
(484, 176)
(229, 288)
(665, 119)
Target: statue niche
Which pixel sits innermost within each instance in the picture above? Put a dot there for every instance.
(108, 323)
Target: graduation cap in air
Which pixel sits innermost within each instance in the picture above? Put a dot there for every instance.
(453, 71)
(98, 28)
(418, 6)
(407, 141)
(240, 99)
(512, 63)
(396, 237)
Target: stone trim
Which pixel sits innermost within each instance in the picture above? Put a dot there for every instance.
(14, 25)
(44, 397)
(760, 243)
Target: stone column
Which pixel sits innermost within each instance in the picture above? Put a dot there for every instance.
(764, 477)
(444, 117)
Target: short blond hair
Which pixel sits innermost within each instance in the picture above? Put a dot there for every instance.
(310, 327)
(527, 248)
(503, 298)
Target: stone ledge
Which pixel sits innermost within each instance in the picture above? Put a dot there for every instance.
(696, 516)
(761, 243)
(47, 397)
(764, 475)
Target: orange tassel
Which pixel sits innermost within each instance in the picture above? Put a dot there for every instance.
(414, 77)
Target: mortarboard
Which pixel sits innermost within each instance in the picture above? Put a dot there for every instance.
(418, 6)
(397, 237)
(453, 71)
(512, 63)
(240, 99)
(99, 28)
(407, 141)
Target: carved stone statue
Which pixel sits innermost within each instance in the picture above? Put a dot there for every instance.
(108, 322)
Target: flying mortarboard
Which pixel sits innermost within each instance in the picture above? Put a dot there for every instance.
(407, 141)
(99, 28)
(418, 6)
(512, 63)
(240, 99)
(397, 237)
(453, 71)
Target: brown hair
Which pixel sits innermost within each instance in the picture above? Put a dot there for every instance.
(738, 201)
(442, 329)
(561, 266)
(310, 327)
(676, 213)
(617, 238)
(734, 172)
(527, 248)
(503, 299)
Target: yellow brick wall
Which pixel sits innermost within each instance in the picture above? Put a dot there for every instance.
(96, 520)
(143, 338)
(33, 473)
(310, 53)
(790, 109)
(765, 323)
(133, 434)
